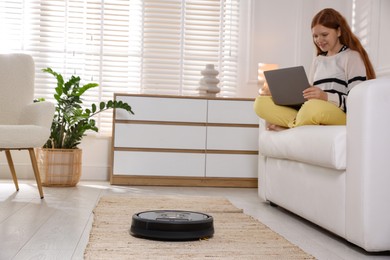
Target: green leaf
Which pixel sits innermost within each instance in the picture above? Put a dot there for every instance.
(85, 88)
(58, 91)
(39, 100)
(57, 97)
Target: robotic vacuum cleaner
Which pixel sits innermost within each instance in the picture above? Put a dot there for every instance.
(172, 225)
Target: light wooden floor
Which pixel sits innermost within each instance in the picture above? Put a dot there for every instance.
(58, 226)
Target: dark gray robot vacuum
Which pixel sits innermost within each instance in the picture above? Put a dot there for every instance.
(172, 225)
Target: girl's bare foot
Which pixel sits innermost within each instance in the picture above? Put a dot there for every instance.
(264, 91)
(272, 127)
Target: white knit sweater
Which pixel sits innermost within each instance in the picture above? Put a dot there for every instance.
(338, 74)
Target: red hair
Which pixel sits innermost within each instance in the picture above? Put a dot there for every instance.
(330, 18)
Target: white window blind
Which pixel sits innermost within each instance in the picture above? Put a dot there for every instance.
(361, 20)
(141, 46)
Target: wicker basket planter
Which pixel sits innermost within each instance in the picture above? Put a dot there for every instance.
(59, 167)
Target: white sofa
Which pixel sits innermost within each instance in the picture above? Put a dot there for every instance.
(337, 177)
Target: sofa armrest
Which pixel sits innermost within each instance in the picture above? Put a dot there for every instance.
(368, 163)
(39, 113)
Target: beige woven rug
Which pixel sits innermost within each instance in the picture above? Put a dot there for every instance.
(237, 235)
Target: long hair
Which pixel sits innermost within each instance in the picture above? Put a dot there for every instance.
(330, 18)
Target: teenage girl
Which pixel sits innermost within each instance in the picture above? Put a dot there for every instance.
(341, 63)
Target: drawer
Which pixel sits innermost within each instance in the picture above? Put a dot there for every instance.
(232, 112)
(232, 165)
(160, 136)
(158, 164)
(232, 138)
(163, 109)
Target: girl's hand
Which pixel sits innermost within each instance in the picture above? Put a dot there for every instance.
(315, 93)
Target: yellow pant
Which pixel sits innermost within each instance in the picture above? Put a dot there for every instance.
(312, 112)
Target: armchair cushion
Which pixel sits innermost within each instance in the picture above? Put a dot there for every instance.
(317, 145)
(23, 136)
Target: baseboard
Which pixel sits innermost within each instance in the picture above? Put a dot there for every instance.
(95, 173)
(24, 171)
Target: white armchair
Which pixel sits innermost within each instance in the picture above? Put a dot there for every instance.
(24, 125)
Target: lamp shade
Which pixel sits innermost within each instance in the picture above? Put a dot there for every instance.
(264, 67)
(263, 87)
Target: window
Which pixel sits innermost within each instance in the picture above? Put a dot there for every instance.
(361, 20)
(143, 46)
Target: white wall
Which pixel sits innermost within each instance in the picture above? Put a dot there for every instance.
(276, 31)
(279, 32)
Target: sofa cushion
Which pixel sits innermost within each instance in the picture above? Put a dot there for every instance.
(318, 145)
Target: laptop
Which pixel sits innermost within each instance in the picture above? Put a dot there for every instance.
(286, 85)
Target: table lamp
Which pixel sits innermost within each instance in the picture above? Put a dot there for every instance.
(263, 87)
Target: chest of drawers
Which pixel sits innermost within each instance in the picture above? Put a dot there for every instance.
(185, 141)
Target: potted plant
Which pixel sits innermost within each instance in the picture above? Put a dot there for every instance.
(59, 160)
